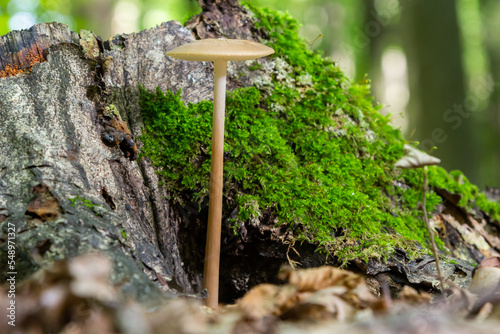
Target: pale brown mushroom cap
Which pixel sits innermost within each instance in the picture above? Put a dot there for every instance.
(211, 49)
(414, 158)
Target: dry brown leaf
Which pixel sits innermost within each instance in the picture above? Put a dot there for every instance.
(314, 279)
(73, 296)
(360, 297)
(412, 297)
(260, 301)
(97, 322)
(324, 293)
(490, 262)
(322, 305)
(355, 292)
(90, 277)
(179, 316)
(266, 299)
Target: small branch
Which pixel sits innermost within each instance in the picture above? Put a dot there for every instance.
(431, 234)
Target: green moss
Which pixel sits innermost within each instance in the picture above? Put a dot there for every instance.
(123, 233)
(255, 66)
(189, 15)
(86, 203)
(316, 156)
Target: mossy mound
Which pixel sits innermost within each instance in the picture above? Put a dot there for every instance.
(313, 153)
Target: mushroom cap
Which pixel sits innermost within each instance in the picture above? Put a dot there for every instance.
(414, 158)
(212, 49)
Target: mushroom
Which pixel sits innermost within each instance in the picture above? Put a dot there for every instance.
(220, 51)
(412, 159)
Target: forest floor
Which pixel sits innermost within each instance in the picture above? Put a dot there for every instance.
(76, 297)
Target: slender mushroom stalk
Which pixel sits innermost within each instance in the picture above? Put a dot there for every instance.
(212, 250)
(412, 159)
(220, 51)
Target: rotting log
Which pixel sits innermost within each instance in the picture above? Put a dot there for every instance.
(68, 190)
(70, 181)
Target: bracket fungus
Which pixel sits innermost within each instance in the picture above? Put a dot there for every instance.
(412, 159)
(219, 51)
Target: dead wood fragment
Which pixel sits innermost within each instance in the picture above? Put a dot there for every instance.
(44, 206)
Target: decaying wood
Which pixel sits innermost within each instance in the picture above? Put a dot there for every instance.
(70, 181)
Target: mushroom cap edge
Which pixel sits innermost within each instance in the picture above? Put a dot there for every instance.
(212, 49)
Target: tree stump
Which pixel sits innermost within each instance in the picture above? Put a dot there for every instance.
(71, 183)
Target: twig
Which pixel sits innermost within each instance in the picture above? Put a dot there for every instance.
(431, 234)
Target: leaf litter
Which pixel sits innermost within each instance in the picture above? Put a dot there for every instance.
(77, 296)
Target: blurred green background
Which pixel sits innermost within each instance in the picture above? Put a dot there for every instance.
(434, 64)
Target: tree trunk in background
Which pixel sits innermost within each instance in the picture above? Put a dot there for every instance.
(380, 32)
(68, 189)
(438, 106)
(98, 15)
(490, 158)
(368, 58)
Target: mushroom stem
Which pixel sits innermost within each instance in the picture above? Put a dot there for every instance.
(212, 251)
(429, 229)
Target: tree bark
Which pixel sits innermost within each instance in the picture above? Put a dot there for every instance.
(66, 191)
(69, 178)
(440, 115)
